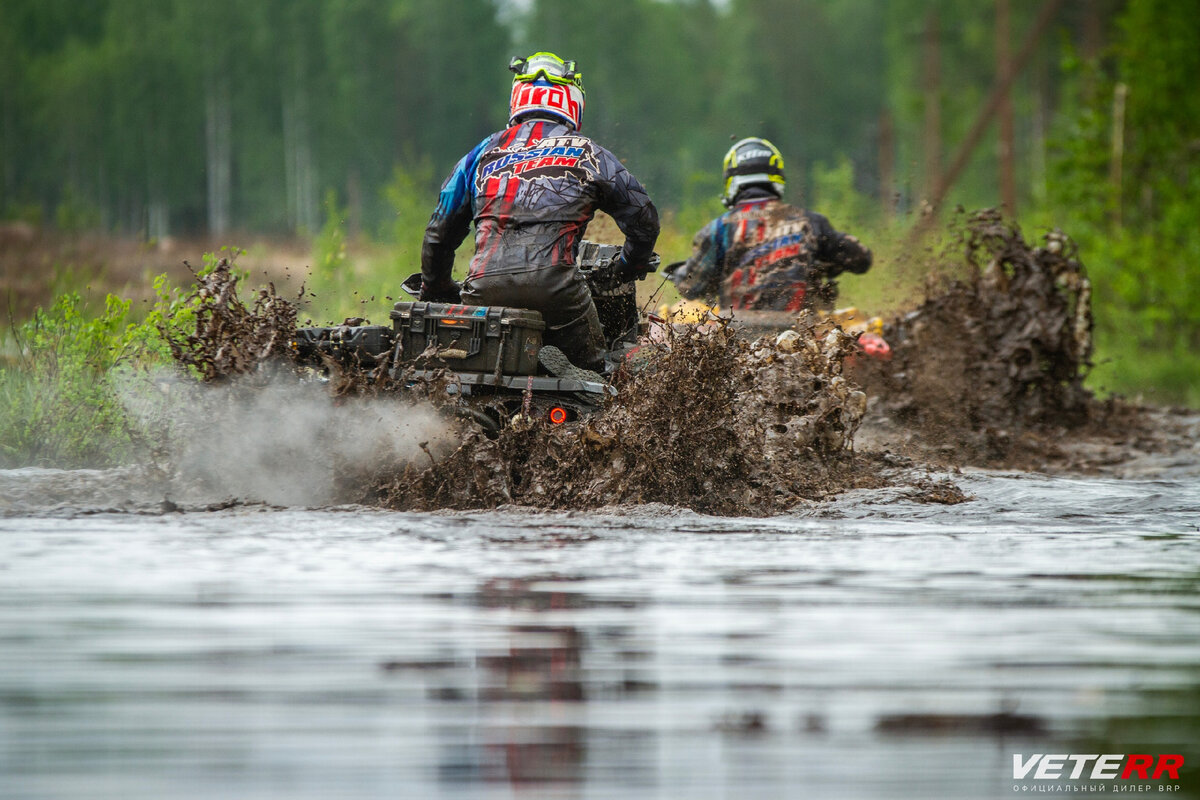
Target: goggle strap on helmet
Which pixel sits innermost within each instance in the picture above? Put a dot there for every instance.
(546, 66)
(735, 185)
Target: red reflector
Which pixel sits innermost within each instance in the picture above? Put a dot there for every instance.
(558, 415)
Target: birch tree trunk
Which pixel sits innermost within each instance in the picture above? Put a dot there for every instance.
(219, 156)
(300, 171)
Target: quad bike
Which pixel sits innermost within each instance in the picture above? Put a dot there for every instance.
(751, 324)
(491, 357)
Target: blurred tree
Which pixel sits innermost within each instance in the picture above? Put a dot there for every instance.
(217, 38)
(454, 79)
(30, 32)
(1126, 185)
(365, 53)
(651, 71)
(808, 76)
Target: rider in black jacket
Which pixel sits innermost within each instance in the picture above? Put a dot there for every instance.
(531, 190)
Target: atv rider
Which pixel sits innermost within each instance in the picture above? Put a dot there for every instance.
(764, 254)
(532, 189)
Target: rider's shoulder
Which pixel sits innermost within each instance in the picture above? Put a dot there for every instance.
(779, 208)
(818, 220)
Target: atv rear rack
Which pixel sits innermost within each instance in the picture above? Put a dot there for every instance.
(519, 383)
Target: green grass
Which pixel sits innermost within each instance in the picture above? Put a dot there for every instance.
(59, 405)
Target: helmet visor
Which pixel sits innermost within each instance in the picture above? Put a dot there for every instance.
(547, 66)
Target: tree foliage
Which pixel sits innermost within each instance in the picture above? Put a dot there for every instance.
(1127, 187)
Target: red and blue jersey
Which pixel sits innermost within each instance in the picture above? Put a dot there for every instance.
(766, 254)
(531, 191)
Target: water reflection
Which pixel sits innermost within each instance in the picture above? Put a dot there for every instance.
(537, 665)
(895, 651)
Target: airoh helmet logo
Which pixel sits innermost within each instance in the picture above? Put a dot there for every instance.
(563, 102)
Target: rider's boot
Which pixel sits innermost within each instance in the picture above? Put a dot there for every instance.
(557, 364)
(576, 347)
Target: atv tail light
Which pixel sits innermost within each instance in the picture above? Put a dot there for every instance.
(558, 415)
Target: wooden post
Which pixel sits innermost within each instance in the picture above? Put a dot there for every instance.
(1120, 92)
(354, 205)
(1037, 157)
(218, 140)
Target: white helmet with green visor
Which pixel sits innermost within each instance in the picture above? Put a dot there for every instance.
(546, 85)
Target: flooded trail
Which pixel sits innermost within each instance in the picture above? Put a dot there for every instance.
(867, 647)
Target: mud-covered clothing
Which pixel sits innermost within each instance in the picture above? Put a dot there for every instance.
(572, 322)
(531, 190)
(766, 254)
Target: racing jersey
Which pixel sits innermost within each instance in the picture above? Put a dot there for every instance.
(531, 190)
(766, 254)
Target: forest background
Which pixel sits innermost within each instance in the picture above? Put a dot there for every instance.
(327, 125)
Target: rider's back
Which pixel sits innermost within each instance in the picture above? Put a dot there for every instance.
(533, 188)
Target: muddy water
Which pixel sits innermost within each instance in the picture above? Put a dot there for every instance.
(869, 647)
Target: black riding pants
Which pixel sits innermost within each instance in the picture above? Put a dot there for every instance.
(561, 294)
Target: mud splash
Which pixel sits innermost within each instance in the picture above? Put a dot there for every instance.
(229, 338)
(988, 371)
(710, 422)
(257, 428)
(988, 358)
(281, 440)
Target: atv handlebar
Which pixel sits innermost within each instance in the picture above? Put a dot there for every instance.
(608, 273)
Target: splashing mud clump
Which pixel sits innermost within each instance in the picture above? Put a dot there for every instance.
(710, 422)
(707, 421)
(986, 358)
(229, 338)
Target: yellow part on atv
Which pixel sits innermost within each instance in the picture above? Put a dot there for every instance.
(849, 319)
(688, 311)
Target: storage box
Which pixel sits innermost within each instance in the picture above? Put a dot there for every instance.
(469, 338)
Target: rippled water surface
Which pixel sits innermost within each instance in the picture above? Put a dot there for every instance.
(868, 647)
